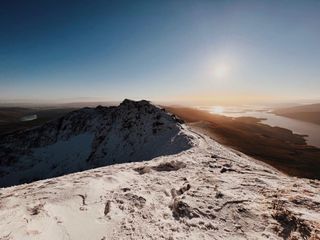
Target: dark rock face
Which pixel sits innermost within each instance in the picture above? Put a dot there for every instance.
(90, 137)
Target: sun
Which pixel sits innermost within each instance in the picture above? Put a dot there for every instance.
(221, 70)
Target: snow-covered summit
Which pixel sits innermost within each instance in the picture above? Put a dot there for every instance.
(91, 137)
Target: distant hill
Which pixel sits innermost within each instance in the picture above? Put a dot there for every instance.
(10, 117)
(308, 113)
(8, 114)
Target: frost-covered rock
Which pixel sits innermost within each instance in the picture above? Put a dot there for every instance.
(88, 138)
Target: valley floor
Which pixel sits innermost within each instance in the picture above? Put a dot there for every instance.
(206, 192)
(279, 147)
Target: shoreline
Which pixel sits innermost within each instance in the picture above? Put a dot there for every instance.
(279, 147)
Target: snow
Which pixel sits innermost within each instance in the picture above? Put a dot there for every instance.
(52, 160)
(186, 195)
(89, 138)
(147, 177)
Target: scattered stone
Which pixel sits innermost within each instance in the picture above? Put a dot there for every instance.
(83, 197)
(125, 189)
(181, 209)
(219, 194)
(184, 189)
(107, 207)
(169, 166)
(136, 200)
(225, 169)
(143, 170)
(36, 209)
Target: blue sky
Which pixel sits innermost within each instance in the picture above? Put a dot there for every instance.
(178, 51)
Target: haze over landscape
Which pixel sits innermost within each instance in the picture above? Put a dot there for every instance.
(159, 119)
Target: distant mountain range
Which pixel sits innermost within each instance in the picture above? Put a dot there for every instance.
(11, 117)
(308, 113)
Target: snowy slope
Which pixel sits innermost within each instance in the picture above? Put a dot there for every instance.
(204, 192)
(190, 188)
(88, 138)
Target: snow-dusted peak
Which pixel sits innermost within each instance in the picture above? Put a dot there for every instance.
(91, 137)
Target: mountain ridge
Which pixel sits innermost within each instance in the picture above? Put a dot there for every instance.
(308, 113)
(133, 131)
(188, 187)
(204, 192)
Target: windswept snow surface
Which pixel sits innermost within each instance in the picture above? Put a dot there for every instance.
(204, 192)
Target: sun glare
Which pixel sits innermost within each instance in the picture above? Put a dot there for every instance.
(217, 110)
(221, 70)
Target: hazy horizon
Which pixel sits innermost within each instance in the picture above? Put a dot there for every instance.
(187, 52)
(88, 102)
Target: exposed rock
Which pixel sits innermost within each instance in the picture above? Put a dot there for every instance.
(169, 166)
(107, 207)
(89, 138)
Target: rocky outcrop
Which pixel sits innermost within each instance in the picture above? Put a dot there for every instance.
(88, 138)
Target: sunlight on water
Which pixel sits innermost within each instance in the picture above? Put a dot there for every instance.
(29, 118)
(296, 126)
(217, 110)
